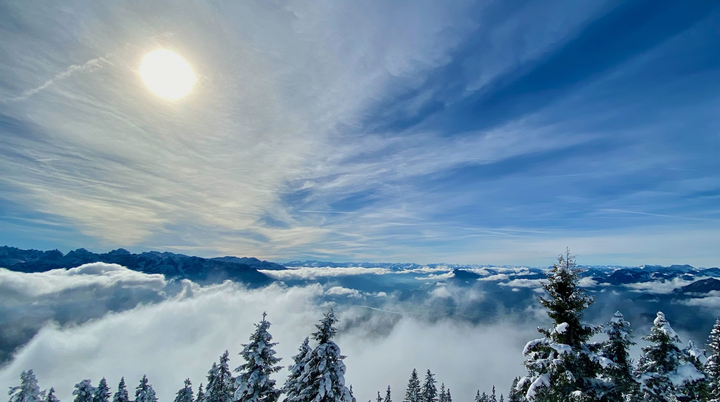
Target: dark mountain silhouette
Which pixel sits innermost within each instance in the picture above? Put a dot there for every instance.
(173, 266)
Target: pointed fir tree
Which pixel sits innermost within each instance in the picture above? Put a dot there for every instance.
(663, 371)
(253, 383)
(712, 365)
(388, 397)
(28, 390)
(293, 384)
(185, 394)
(144, 392)
(428, 393)
(448, 396)
(616, 350)
(102, 392)
(481, 397)
(323, 379)
(412, 394)
(201, 394)
(442, 396)
(352, 396)
(379, 397)
(84, 391)
(562, 366)
(493, 397)
(220, 382)
(51, 396)
(514, 395)
(122, 394)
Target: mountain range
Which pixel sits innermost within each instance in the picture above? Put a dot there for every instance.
(249, 269)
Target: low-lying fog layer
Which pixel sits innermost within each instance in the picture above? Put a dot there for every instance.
(103, 320)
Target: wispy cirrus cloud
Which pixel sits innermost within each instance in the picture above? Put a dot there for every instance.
(364, 131)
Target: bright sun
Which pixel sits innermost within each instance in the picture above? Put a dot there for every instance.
(167, 74)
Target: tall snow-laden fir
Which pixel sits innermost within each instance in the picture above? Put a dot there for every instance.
(185, 394)
(102, 392)
(84, 391)
(323, 378)
(616, 349)
(144, 391)
(442, 395)
(664, 371)
(253, 383)
(122, 394)
(412, 394)
(429, 393)
(562, 366)
(293, 384)
(220, 386)
(712, 365)
(28, 390)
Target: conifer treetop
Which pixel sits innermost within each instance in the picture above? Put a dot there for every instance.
(28, 390)
(565, 303)
(253, 383)
(325, 329)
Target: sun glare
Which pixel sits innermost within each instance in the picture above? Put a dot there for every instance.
(167, 74)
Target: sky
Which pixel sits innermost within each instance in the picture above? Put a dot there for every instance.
(491, 132)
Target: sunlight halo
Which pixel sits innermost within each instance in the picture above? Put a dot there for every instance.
(167, 74)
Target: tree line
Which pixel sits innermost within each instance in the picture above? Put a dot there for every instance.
(563, 365)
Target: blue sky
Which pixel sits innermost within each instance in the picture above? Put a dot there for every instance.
(495, 132)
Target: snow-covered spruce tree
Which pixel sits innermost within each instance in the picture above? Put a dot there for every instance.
(323, 378)
(493, 396)
(51, 396)
(448, 396)
(293, 384)
(697, 358)
(442, 396)
(253, 383)
(220, 386)
(144, 392)
(561, 366)
(412, 394)
(122, 394)
(619, 373)
(28, 390)
(481, 397)
(84, 391)
(102, 392)
(200, 395)
(664, 372)
(185, 394)
(429, 393)
(388, 397)
(379, 397)
(712, 366)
